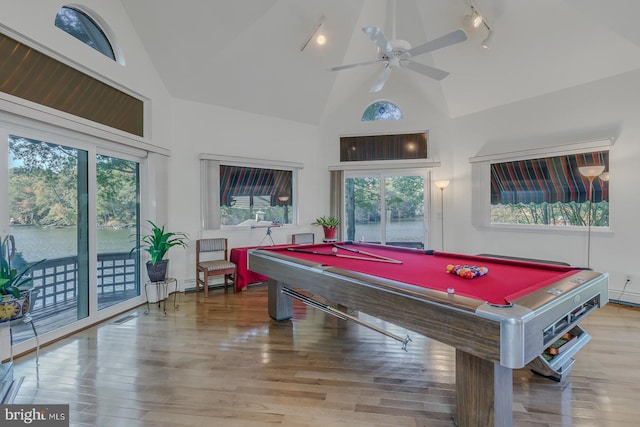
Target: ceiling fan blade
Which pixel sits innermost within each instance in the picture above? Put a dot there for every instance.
(449, 39)
(344, 67)
(427, 70)
(377, 36)
(381, 80)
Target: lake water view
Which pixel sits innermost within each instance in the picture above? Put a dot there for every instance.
(36, 243)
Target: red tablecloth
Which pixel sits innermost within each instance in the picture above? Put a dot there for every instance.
(244, 276)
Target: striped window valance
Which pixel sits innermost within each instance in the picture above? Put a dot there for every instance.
(550, 180)
(238, 181)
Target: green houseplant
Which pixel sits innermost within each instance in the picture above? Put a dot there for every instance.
(329, 225)
(157, 243)
(15, 286)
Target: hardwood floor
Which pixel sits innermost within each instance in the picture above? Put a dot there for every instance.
(222, 361)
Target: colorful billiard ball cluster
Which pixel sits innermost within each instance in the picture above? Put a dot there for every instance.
(467, 271)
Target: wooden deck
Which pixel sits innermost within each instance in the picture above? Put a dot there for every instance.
(222, 361)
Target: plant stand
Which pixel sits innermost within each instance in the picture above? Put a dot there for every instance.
(162, 292)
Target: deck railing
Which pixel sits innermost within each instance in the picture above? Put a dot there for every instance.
(56, 282)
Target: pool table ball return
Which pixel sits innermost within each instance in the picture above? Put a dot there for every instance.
(505, 319)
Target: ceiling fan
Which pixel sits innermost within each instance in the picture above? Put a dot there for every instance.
(399, 53)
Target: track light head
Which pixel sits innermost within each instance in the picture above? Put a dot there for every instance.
(487, 41)
(477, 19)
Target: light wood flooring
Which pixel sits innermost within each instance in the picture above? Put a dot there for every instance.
(222, 361)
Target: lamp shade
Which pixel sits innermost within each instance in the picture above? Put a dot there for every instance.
(604, 176)
(442, 184)
(591, 171)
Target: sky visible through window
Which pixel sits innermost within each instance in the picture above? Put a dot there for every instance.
(382, 110)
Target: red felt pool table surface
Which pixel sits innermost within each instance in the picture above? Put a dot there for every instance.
(506, 280)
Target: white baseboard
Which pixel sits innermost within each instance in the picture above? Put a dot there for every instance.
(624, 297)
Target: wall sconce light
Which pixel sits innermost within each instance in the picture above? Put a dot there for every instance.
(442, 184)
(591, 173)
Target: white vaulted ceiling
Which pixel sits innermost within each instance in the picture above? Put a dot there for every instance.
(245, 54)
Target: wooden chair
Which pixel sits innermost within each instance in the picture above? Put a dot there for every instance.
(217, 267)
(303, 238)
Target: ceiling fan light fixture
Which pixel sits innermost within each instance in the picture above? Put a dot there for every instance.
(321, 40)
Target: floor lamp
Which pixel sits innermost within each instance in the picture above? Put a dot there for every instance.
(442, 185)
(591, 173)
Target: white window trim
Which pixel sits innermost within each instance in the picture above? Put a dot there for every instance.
(382, 173)
(210, 179)
(481, 184)
(35, 129)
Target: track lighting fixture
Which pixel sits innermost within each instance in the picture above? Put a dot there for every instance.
(320, 40)
(476, 19)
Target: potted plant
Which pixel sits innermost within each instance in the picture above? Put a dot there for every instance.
(157, 243)
(330, 226)
(15, 287)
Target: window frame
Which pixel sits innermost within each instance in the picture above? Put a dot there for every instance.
(481, 183)
(210, 213)
(90, 19)
(378, 117)
(52, 133)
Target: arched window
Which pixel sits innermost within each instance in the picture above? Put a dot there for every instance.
(382, 110)
(81, 26)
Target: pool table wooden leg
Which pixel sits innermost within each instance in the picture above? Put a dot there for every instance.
(484, 392)
(280, 305)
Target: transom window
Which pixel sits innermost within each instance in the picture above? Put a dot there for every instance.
(382, 110)
(81, 26)
(550, 191)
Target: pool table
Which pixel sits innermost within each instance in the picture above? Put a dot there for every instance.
(497, 322)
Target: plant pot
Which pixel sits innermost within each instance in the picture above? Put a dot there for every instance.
(157, 272)
(12, 308)
(330, 232)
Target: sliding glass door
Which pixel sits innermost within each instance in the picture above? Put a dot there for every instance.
(117, 219)
(76, 213)
(48, 211)
(386, 208)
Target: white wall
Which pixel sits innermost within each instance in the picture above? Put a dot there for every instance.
(608, 108)
(205, 129)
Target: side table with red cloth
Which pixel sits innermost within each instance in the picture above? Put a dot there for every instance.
(244, 276)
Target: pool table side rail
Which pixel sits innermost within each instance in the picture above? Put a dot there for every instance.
(419, 311)
(510, 336)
